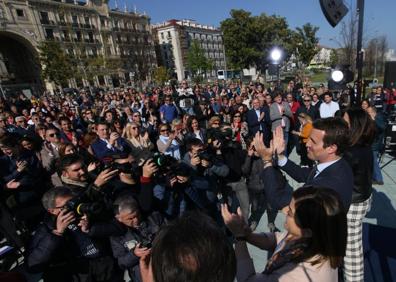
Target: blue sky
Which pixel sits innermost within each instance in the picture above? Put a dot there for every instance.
(380, 15)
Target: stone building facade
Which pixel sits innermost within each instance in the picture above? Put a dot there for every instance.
(173, 39)
(85, 30)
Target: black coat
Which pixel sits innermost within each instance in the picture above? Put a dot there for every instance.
(337, 176)
(361, 161)
(61, 258)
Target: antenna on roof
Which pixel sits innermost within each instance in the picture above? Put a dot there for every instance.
(116, 4)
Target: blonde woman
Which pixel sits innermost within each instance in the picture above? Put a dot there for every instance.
(305, 130)
(138, 142)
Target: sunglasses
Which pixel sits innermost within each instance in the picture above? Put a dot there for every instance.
(164, 130)
(53, 134)
(307, 100)
(237, 116)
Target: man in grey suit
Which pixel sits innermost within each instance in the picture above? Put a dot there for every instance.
(280, 114)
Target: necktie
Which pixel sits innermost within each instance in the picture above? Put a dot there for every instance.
(312, 174)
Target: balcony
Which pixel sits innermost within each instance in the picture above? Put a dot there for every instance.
(47, 22)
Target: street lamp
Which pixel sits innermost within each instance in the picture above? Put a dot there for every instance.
(337, 75)
(275, 56)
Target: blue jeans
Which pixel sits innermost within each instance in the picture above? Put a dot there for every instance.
(377, 175)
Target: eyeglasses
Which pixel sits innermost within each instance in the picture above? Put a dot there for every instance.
(307, 100)
(53, 134)
(164, 130)
(237, 116)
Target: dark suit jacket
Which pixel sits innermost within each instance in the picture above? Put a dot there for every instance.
(337, 176)
(100, 150)
(277, 190)
(254, 124)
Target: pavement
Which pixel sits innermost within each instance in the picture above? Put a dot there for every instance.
(379, 227)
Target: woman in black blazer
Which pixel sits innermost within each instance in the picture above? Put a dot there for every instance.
(360, 157)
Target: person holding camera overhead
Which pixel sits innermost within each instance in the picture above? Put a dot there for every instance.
(61, 248)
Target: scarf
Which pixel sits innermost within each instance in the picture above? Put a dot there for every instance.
(289, 254)
(73, 182)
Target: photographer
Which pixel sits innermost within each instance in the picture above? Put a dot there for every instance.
(234, 156)
(61, 248)
(180, 192)
(136, 242)
(74, 175)
(207, 163)
(134, 179)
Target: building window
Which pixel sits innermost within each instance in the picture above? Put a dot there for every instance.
(169, 34)
(44, 17)
(49, 33)
(20, 13)
(162, 35)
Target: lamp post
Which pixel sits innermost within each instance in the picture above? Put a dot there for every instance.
(359, 55)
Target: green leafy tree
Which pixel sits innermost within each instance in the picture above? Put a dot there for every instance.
(305, 43)
(161, 75)
(334, 58)
(248, 39)
(197, 62)
(56, 65)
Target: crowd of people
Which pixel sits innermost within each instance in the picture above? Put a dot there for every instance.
(162, 182)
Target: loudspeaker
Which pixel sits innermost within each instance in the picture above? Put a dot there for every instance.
(390, 74)
(333, 10)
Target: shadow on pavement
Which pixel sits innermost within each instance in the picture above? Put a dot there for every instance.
(382, 210)
(379, 253)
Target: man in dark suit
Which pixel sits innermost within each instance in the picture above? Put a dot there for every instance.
(308, 109)
(108, 144)
(326, 144)
(258, 119)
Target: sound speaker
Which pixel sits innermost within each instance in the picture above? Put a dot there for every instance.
(390, 74)
(333, 10)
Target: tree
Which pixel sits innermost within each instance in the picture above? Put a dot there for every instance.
(305, 43)
(56, 65)
(382, 49)
(197, 62)
(334, 60)
(348, 40)
(161, 75)
(248, 39)
(240, 40)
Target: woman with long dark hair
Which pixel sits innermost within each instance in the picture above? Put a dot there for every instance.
(360, 158)
(311, 248)
(194, 130)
